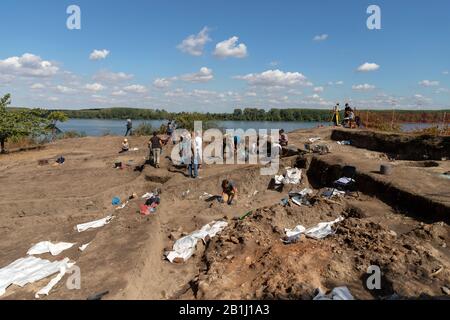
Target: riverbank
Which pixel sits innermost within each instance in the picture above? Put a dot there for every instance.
(247, 260)
(117, 127)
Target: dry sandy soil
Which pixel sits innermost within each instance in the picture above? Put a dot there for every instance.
(247, 260)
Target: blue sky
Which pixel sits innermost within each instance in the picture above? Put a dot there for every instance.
(217, 55)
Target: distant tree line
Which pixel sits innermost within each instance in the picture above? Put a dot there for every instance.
(254, 114)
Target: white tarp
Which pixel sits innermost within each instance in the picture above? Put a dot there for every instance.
(322, 230)
(94, 224)
(84, 246)
(55, 280)
(292, 176)
(344, 180)
(28, 270)
(184, 248)
(329, 193)
(302, 193)
(339, 293)
(46, 246)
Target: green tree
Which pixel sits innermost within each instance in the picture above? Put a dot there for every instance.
(19, 123)
(54, 117)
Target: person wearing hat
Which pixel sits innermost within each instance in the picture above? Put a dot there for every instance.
(129, 128)
(125, 146)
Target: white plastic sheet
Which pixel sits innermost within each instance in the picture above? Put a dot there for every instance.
(28, 270)
(322, 230)
(345, 180)
(184, 248)
(55, 280)
(339, 293)
(46, 246)
(84, 246)
(94, 224)
(292, 176)
(329, 193)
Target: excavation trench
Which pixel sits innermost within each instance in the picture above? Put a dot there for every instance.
(398, 146)
(322, 173)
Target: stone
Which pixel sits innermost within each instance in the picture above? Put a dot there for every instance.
(234, 240)
(174, 236)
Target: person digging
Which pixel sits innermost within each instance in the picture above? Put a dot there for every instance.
(229, 191)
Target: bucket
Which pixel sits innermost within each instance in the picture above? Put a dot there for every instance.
(385, 169)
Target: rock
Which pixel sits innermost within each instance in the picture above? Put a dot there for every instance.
(174, 236)
(446, 290)
(203, 288)
(230, 257)
(277, 229)
(392, 233)
(234, 240)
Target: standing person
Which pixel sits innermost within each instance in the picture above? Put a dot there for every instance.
(173, 127)
(169, 130)
(193, 163)
(129, 128)
(335, 118)
(198, 148)
(156, 147)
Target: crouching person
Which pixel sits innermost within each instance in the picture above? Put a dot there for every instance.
(125, 146)
(229, 191)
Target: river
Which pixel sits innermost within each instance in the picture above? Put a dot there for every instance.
(99, 127)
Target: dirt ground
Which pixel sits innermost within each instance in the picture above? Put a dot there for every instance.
(247, 260)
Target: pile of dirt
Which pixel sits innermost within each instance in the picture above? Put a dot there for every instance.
(250, 255)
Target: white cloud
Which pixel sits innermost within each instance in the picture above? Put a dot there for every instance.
(230, 48)
(368, 67)
(28, 65)
(442, 90)
(194, 44)
(445, 72)
(275, 78)
(108, 76)
(204, 75)
(118, 93)
(53, 99)
(135, 88)
(321, 37)
(162, 83)
(99, 54)
(95, 87)
(37, 86)
(274, 63)
(63, 89)
(363, 87)
(429, 83)
(318, 89)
